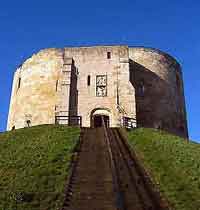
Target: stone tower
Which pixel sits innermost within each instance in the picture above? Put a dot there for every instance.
(140, 85)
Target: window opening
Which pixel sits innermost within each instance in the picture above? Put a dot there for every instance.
(19, 82)
(178, 84)
(101, 85)
(88, 80)
(108, 55)
(56, 85)
(141, 88)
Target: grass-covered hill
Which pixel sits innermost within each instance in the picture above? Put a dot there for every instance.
(34, 164)
(173, 163)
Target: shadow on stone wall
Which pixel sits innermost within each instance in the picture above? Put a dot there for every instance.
(156, 101)
(73, 99)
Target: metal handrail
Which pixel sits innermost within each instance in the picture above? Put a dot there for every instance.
(119, 202)
(68, 120)
(128, 122)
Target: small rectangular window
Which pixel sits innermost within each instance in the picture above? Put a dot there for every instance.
(108, 55)
(88, 80)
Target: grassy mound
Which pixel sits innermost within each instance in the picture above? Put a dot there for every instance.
(174, 164)
(34, 163)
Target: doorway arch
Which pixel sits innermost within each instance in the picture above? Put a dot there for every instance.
(99, 114)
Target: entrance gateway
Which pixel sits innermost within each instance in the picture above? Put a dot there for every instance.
(98, 116)
(98, 120)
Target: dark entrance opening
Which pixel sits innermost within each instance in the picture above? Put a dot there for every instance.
(98, 120)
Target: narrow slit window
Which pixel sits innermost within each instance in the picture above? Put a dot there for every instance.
(178, 84)
(56, 85)
(88, 80)
(108, 55)
(141, 88)
(19, 83)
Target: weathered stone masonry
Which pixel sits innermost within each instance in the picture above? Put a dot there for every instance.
(115, 81)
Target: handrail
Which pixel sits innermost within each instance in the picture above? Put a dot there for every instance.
(129, 122)
(152, 189)
(121, 109)
(120, 205)
(68, 120)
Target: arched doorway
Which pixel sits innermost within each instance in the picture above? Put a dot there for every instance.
(99, 119)
(98, 116)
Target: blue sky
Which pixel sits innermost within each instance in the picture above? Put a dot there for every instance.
(172, 26)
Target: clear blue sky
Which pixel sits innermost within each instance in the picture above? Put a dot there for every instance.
(170, 25)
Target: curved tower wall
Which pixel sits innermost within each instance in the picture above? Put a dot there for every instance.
(142, 83)
(159, 93)
(33, 93)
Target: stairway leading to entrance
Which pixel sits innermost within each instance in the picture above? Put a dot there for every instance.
(106, 175)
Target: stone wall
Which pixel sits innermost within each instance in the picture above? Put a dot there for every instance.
(142, 83)
(54, 82)
(157, 79)
(93, 61)
(35, 98)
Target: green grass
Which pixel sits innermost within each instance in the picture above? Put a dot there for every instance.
(173, 163)
(34, 163)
